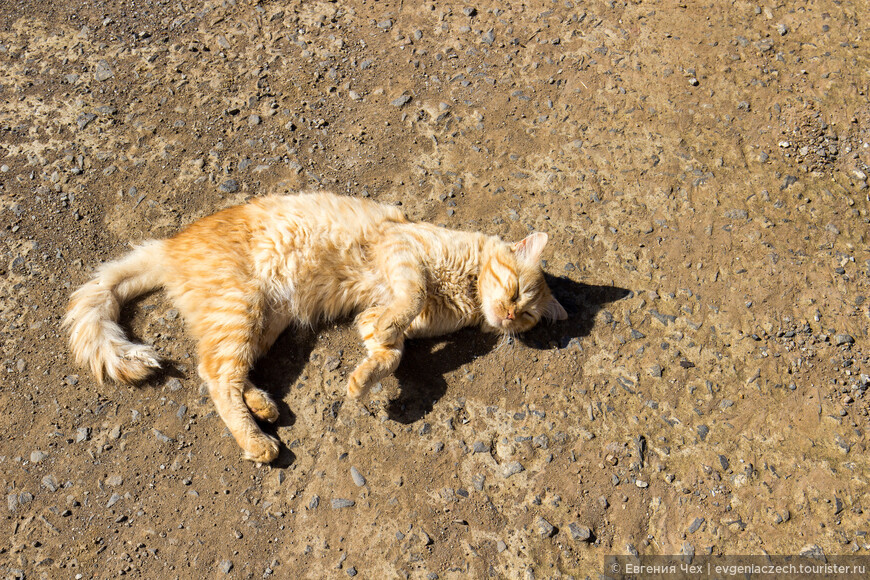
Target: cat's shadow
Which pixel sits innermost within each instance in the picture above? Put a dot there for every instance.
(425, 363)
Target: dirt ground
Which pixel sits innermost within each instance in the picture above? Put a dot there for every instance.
(701, 172)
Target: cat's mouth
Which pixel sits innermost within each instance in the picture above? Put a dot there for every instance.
(503, 323)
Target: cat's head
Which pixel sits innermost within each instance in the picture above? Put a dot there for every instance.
(513, 293)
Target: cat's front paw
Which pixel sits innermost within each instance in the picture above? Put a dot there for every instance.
(262, 448)
(355, 388)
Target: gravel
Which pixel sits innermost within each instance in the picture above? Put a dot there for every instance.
(357, 477)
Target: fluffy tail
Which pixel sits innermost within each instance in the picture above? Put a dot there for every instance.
(96, 338)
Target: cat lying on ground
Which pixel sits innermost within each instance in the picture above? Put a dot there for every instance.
(242, 275)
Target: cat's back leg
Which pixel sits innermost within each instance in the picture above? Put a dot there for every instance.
(229, 328)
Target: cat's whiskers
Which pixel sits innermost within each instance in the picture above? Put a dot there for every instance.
(506, 340)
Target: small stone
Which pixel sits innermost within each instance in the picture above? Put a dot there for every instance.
(173, 384)
(84, 120)
(385, 24)
(161, 437)
(254, 120)
(641, 484)
(115, 498)
(512, 468)
(703, 430)
(694, 81)
(545, 528)
(401, 100)
(49, 483)
(37, 456)
(357, 477)
(813, 551)
(602, 502)
(500, 546)
(315, 501)
(83, 434)
(103, 72)
(114, 480)
(723, 461)
(351, 571)
(842, 339)
(696, 525)
(342, 503)
(663, 318)
(225, 566)
(579, 533)
(229, 186)
(480, 447)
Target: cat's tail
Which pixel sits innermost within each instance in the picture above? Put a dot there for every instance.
(91, 319)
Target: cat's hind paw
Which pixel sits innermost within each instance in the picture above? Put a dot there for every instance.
(261, 404)
(262, 449)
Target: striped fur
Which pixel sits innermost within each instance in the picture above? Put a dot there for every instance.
(242, 275)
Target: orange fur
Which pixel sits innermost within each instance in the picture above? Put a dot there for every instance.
(242, 275)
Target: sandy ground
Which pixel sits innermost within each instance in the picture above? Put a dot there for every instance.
(701, 172)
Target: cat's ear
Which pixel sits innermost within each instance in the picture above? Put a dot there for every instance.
(530, 248)
(554, 311)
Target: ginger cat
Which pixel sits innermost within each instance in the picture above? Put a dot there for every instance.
(242, 275)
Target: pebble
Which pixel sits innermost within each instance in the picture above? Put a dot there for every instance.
(342, 503)
(173, 384)
(103, 72)
(401, 100)
(49, 483)
(480, 447)
(225, 566)
(696, 525)
(357, 477)
(229, 186)
(161, 437)
(842, 339)
(83, 434)
(512, 468)
(545, 528)
(663, 318)
(37, 456)
(84, 120)
(703, 430)
(579, 533)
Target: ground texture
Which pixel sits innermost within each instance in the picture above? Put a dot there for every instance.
(702, 173)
